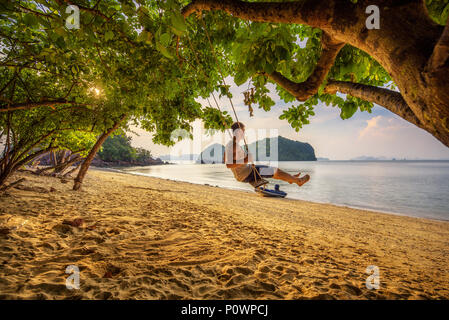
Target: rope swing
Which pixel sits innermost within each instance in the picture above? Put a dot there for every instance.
(258, 181)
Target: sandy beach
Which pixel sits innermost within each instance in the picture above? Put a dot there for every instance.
(148, 238)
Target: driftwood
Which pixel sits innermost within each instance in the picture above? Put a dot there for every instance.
(33, 189)
(15, 183)
(68, 174)
(60, 167)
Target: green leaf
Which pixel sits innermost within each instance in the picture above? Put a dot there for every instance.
(109, 35)
(145, 36)
(348, 110)
(60, 42)
(165, 39)
(30, 20)
(240, 78)
(177, 32)
(178, 23)
(163, 50)
(60, 31)
(269, 68)
(142, 36)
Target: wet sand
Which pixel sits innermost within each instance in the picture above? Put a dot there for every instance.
(149, 238)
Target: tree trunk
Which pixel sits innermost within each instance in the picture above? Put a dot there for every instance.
(4, 175)
(68, 173)
(53, 158)
(12, 184)
(59, 170)
(65, 159)
(404, 44)
(61, 166)
(85, 165)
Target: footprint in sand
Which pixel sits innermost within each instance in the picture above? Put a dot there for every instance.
(235, 280)
(334, 286)
(266, 286)
(264, 269)
(351, 289)
(204, 289)
(244, 270)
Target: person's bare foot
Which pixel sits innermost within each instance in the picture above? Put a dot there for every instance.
(303, 180)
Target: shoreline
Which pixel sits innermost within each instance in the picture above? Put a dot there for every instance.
(151, 238)
(401, 214)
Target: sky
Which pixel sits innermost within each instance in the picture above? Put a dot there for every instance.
(378, 134)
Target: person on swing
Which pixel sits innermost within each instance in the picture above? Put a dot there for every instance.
(238, 161)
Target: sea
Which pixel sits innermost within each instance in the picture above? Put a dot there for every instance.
(411, 188)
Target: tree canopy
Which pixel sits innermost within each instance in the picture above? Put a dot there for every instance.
(124, 59)
(401, 66)
(118, 148)
(145, 62)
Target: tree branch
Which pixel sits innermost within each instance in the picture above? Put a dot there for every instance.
(37, 13)
(97, 12)
(304, 90)
(440, 54)
(311, 12)
(35, 143)
(31, 157)
(30, 105)
(87, 9)
(60, 165)
(12, 184)
(391, 100)
(24, 66)
(9, 82)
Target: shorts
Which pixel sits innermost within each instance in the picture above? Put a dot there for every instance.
(264, 172)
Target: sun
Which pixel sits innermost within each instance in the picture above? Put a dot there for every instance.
(96, 91)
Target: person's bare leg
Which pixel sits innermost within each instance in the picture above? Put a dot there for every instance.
(284, 176)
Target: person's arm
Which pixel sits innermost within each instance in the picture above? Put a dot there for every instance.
(234, 152)
(234, 164)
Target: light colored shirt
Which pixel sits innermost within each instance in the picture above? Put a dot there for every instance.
(244, 170)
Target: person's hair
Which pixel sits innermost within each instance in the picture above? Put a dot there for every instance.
(237, 125)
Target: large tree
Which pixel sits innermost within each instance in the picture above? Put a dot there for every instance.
(125, 63)
(344, 63)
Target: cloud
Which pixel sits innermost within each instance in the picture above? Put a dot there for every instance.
(381, 127)
(371, 125)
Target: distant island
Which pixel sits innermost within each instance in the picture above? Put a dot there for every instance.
(117, 151)
(182, 157)
(370, 158)
(288, 150)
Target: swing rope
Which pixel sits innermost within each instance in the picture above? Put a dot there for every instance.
(207, 77)
(253, 169)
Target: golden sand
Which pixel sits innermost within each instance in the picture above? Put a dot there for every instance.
(148, 238)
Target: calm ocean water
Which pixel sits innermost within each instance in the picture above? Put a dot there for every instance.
(413, 188)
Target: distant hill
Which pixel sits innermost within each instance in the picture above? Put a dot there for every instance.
(181, 157)
(117, 151)
(370, 158)
(212, 154)
(288, 150)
